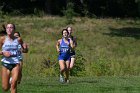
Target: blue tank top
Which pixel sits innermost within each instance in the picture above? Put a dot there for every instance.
(12, 47)
(64, 48)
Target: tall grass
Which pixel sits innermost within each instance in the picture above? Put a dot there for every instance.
(105, 46)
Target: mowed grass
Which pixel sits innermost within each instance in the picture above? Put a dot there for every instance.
(80, 85)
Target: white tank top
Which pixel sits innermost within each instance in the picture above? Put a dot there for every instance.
(12, 47)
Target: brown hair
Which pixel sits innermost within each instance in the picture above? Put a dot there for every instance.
(65, 30)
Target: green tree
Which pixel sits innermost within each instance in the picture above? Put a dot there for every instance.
(69, 12)
(138, 2)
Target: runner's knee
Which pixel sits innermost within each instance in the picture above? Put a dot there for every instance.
(5, 88)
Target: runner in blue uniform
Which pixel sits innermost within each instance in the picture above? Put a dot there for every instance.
(64, 46)
(17, 34)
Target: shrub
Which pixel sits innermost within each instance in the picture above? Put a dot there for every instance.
(79, 67)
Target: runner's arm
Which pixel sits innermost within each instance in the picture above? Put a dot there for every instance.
(23, 45)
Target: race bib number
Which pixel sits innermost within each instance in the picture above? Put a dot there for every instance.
(14, 53)
(64, 50)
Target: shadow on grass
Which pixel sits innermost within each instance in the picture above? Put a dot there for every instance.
(87, 81)
(125, 32)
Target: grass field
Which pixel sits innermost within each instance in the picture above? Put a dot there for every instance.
(81, 85)
(106, 47)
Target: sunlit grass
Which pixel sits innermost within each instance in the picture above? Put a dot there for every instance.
(80, 85)
(105, 44)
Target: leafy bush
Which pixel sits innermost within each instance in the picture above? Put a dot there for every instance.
(79, 67)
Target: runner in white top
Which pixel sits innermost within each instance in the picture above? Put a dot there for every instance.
(10, 60)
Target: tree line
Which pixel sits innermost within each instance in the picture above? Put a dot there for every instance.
(92, 8)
